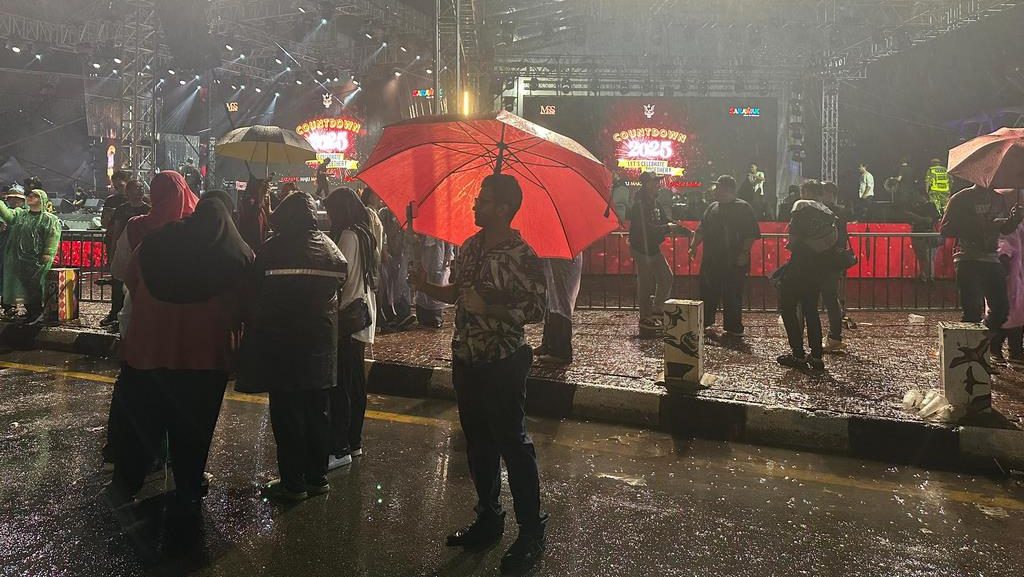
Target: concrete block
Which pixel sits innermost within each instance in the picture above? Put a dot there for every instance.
(1005, 445)
(440, 385)
(684, 340)
(790, 427)
(965, 370)
(618, 405)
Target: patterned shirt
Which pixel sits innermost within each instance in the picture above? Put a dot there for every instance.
(510, 275)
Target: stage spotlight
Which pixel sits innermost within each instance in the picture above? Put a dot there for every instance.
(197, 77)
(97, 65)
(117, 60)
(565, 86)
(171, 71)
(16, 49)
(234, 87)
(299, 82)
(323, 21)
(534, 83)
(402, 48)
(384, 44)
(397, 74)
(228, 47)
(319, 72)
(241, 56)
(182, 82)
(624, 87)
(148, 67)
(276, 94)
(258, 90)
(114, 71)
(429, 71)
(301, 9)
(368, 35)
(278, 60)
(38, 56)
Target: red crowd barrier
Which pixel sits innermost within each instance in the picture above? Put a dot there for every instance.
(884, 251)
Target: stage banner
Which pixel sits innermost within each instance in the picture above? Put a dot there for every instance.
(103, 107)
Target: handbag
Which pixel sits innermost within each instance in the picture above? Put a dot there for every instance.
(353, 318)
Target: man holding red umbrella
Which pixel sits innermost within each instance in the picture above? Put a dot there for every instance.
(499, 288)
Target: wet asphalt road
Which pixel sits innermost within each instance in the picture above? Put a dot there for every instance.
(623, 501)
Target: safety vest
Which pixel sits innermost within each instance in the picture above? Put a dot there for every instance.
(938, 179)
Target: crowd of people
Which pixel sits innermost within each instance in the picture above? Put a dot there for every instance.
(212, 290)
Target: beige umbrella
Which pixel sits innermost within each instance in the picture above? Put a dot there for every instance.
(265, 145)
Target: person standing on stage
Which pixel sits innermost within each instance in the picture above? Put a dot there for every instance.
(193, 177)
(727, 230)
(752, 189)
(323, 185)
(499, 288)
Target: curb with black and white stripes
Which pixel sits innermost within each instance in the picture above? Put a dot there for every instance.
(681, 412)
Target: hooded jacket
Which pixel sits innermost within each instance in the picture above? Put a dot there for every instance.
(33, 239)
(290, 341)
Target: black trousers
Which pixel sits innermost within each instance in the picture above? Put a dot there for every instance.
(833, 304)
(978, 283)
(723, 285)
(181, 406)
(557, 337)
(302, 432)
(116, 297)
(118, 425)
(348, 399)
(800, 294)
(1015, 340)
(492, 410)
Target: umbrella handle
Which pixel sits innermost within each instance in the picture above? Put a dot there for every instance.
(501, 151)
(409, 216)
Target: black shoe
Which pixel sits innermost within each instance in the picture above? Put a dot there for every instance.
(815, 363)
(108, 320)
(526, 551)
(484, 532)
(405, 323)
(792, 361)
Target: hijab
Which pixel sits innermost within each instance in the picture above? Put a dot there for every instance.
(171, 200)
(347, 212)
(197, 258)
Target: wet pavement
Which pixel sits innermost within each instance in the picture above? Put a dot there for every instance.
(623, 501)
(887, 355)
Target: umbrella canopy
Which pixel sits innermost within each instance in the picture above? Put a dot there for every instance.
(437, 163)
(265, 145)
(994, 160)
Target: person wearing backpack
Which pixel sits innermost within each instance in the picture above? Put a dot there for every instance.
(812, 242)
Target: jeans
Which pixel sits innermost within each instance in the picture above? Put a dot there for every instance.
(492, 410)
(116, 298)
(653, 277)
(1015, 340)
(800, 295)
(833, 304)
(723, 284)
(980, 283)
(181, 405)
(302, 431)
(557, 339)
(348, 399)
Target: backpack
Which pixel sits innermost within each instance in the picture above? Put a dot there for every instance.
(813, 225)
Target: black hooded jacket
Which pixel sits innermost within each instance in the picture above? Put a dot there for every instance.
(290, 338)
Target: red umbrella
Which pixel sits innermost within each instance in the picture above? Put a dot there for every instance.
(994, 160)
(436, 164)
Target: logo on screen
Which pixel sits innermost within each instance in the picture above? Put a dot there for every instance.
(328, 99)
(232, 106)
(649, 110)
(548, 110)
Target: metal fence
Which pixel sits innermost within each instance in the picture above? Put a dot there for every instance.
(884, 278)
(86, 250)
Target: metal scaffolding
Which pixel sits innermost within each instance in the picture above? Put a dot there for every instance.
(138, 115)
(830, 128)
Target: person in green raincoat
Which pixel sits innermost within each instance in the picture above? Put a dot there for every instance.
(32, 242)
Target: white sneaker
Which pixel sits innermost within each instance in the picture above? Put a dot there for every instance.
(835, 346)
(338, 462)
(357, 452)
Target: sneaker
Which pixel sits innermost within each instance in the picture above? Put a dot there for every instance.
(108, 320)
(540, 351)
(357, 452)
(525, 551)
(276, 491)
(815, 363)
(792, 361)
(405, 323)
(997, 359)
(318, 489)
(835, 346)
(335, 462)
(649, 325)
(554, 360)
(484, 532)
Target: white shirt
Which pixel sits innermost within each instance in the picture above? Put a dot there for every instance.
(867, 185)
(354, 287)
(757, 179)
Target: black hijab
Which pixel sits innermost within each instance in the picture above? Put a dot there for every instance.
(198, 258)
(347, 212)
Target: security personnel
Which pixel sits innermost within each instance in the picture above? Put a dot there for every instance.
(937, 181)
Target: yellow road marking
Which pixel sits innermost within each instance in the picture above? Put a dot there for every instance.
(230, 395)
(767, 468)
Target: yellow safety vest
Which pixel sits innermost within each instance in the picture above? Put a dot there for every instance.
(938, 179)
